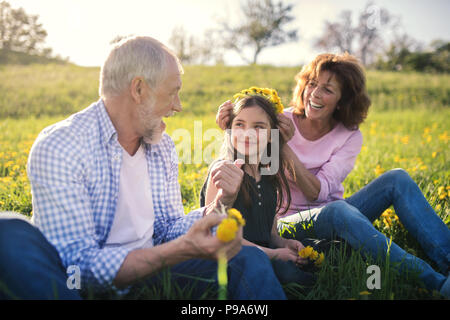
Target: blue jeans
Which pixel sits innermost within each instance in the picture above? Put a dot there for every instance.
(351, 219)
(30, 268)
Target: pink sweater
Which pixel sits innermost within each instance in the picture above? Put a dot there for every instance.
(330, 159)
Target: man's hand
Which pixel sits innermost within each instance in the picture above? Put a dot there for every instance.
(223, 116)
(197, 243)
(227, 178)
(202, 244)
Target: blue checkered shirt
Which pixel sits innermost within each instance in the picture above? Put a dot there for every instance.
(74, 170)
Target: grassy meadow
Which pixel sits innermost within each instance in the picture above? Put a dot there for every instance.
(408, 127)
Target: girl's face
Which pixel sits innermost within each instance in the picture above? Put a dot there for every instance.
(321, 96)
(250, 131)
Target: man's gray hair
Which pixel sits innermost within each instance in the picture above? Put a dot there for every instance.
(136, 56)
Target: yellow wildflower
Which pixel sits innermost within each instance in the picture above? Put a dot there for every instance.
(319, 259)
(404, 140)
(311, 254)
(314, 255)
(364, 293)
(267, 93)
(235, 214)
(444, 137)
(379, 170)
(441, 193)
(305, 252)
(227, 230)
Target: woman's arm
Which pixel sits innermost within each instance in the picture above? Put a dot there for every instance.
(305, 180)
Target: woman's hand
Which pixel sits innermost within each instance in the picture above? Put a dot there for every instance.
(224, 114)
(286, 126)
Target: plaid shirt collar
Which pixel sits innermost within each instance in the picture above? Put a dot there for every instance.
(108, 131)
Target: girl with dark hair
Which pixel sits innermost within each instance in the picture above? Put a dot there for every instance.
(252, 135)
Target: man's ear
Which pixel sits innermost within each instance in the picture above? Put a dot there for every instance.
(137, 89)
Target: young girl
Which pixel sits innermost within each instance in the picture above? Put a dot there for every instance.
(249, 136)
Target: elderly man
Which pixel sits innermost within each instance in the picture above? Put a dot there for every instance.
(107, 203)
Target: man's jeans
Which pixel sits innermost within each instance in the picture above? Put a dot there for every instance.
(351, 219)
(30, 268)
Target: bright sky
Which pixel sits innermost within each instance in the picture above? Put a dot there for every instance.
(82, 29)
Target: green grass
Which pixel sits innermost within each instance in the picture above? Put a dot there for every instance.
(54, 89)
(407, 127)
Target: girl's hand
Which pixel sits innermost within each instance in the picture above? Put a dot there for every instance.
(296, 246)
(224, 114)
(284, 254)
(227, 178)
(286, 126)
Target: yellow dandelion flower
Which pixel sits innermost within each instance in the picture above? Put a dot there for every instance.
(267, 91)
(305, 252)
(404, 140)
(434, 154)
(314, 255)
(444, 137)
(227, 230)
(235, 214)
(319, 259)
(379, 170)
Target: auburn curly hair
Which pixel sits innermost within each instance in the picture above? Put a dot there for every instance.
(354, 102)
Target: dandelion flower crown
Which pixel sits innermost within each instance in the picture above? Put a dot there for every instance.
(267, 93)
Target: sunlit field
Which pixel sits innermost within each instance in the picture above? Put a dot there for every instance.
(407, 127)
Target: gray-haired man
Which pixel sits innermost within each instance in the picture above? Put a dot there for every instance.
(106, 198)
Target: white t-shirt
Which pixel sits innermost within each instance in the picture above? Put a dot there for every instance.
(134, 219)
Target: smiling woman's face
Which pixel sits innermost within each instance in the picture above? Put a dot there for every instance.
(250, 131)
(321, 96)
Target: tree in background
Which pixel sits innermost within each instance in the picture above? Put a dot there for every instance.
(364, 38)
(196, 50)
(21, 32)
(406, 54)
(262, 26)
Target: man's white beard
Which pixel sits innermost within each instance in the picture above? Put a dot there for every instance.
(152, 129)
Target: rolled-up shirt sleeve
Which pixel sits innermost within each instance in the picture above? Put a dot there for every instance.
(62, 211)
(341, 163)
